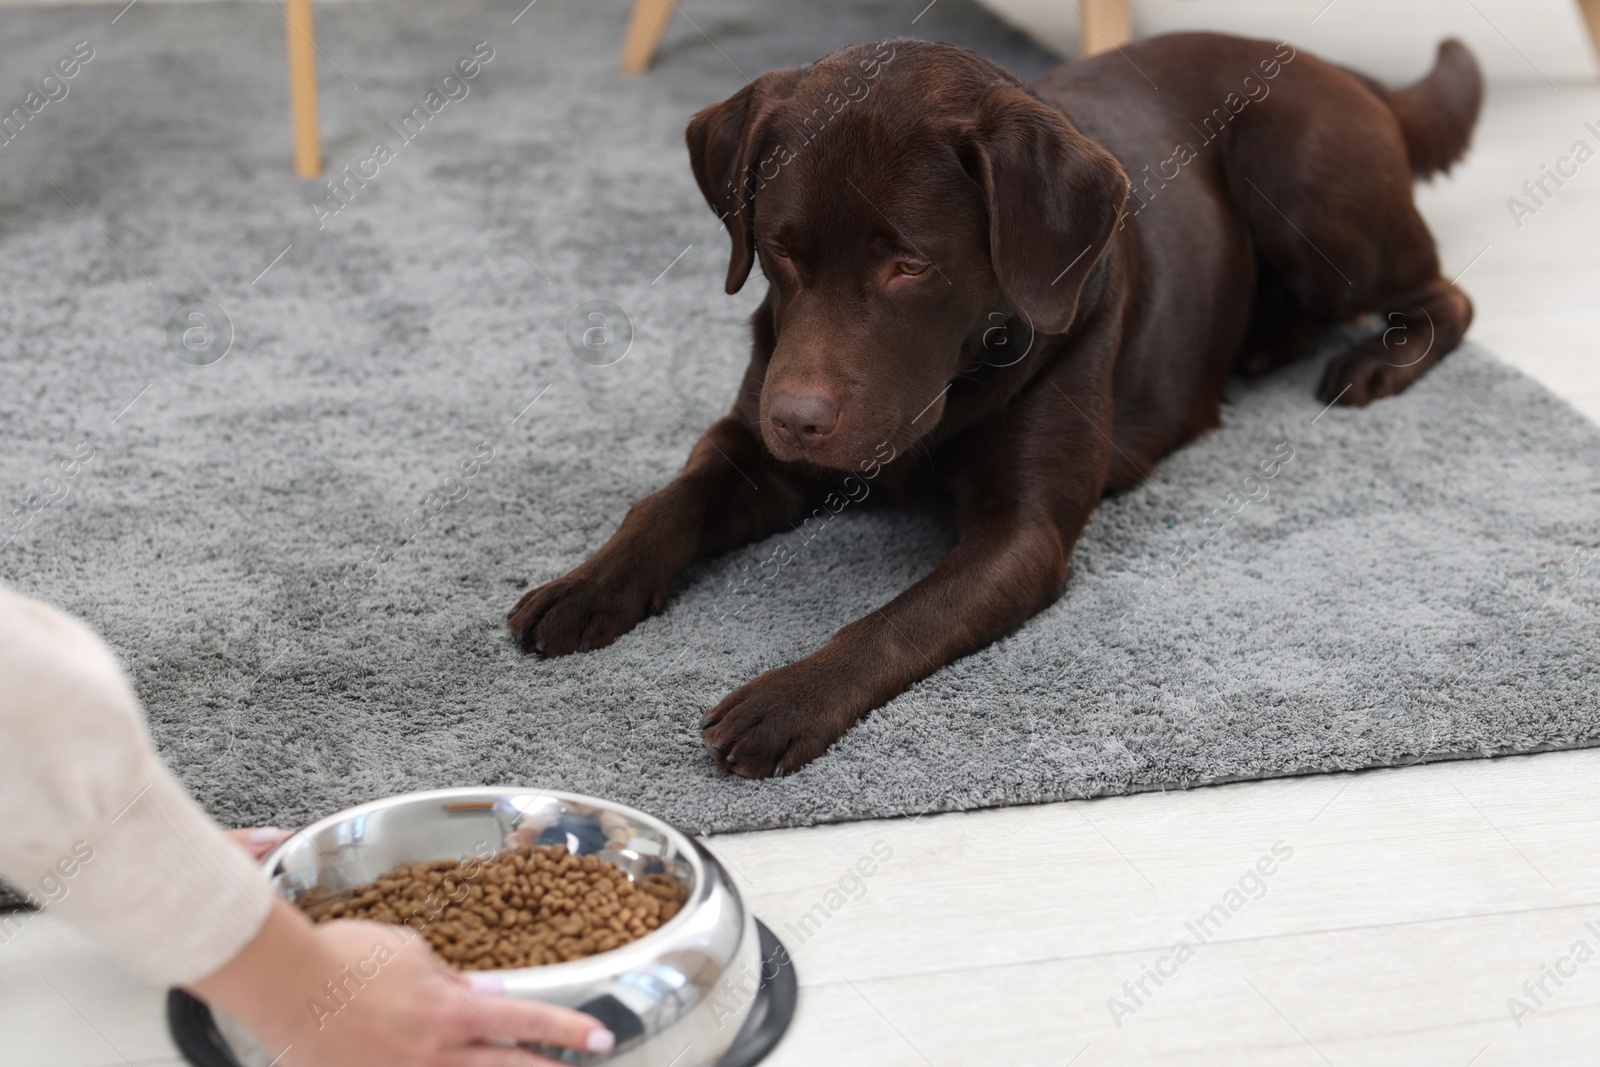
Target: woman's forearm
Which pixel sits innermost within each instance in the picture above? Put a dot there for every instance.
(104, 835)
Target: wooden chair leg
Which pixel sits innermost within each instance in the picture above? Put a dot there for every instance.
(645, 27)
(1105, 24)
(303, 87)
(1591, 15)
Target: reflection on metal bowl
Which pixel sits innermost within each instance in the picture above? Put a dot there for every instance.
(689, 994)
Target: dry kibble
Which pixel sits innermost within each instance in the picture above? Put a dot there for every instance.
(525, 907)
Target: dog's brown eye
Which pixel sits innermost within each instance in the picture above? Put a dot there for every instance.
(910, 268)
(779, 251)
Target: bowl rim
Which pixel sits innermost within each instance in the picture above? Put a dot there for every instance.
(690, 850)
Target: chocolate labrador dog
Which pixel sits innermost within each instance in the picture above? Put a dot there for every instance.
(1018, 298)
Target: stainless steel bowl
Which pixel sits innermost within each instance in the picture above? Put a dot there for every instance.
(676, 997)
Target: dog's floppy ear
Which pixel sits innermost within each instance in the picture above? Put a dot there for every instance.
(724, 141)
(1054, 197)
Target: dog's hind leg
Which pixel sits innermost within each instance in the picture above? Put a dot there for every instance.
(1340, 263)
(1418, 331)
(1322, 171)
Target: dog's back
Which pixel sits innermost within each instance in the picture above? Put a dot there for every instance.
(1271, 195)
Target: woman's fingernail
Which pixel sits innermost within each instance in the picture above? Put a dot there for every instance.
(487, 984)
(601, 1041)
(263, 834)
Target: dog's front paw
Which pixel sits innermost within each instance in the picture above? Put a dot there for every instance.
(578, 613)
(781, 721)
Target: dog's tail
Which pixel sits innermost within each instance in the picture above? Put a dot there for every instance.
(1437, 113)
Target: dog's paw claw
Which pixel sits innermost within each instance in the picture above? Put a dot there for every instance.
(760, 730)
(577, 613)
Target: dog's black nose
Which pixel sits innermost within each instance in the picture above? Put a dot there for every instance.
(803, 421)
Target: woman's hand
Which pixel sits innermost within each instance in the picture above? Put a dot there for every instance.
(358, 994)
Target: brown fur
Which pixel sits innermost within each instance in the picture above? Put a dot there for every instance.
(1022, 296)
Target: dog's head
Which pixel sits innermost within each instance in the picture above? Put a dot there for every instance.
(895, 194)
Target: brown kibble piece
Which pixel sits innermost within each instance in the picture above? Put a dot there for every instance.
(524, 907)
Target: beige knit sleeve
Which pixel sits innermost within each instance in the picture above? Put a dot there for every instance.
(96, 829)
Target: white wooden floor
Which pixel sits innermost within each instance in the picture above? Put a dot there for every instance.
(1413, 903)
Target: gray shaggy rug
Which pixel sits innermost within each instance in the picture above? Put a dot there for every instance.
(296, 455)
